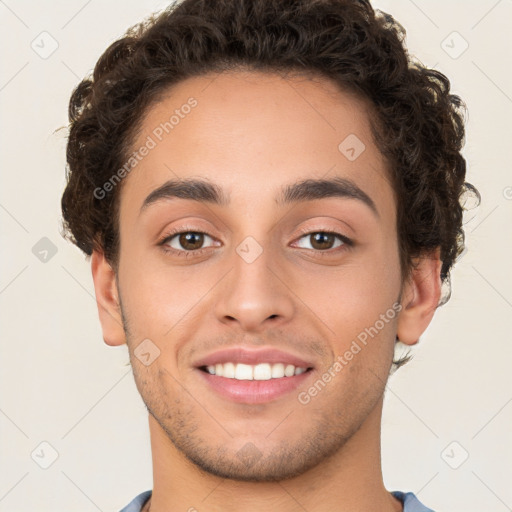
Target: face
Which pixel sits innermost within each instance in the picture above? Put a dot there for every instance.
(247, 274)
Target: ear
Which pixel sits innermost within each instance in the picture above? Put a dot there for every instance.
(107, 299)
(420, 297)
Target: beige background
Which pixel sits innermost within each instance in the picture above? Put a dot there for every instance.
(60, 384)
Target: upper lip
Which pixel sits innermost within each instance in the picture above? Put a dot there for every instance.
(252, 357)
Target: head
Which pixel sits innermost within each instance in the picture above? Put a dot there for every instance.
(265, 173)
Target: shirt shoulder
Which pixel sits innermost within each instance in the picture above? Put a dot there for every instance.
(411, 502)
(137, 503)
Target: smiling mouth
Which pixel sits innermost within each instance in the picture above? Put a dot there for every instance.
(261, 371)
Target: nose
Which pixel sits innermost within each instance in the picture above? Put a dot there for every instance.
(255, 293)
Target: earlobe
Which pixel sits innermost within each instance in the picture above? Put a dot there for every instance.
(420, 297)
(107, 300)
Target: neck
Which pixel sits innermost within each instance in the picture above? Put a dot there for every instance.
(350, 480)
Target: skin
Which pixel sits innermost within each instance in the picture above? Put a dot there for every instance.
(251, 134)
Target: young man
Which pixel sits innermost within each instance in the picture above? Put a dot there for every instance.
(269, 193)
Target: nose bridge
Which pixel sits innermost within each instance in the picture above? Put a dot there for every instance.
(254, 293)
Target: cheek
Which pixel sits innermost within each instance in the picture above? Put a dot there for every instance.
(161, 302)
(359, 305)
(355, 295)
(361, 312)
(153, 302)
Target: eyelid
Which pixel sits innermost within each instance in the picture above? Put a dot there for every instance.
(310, 231)
(164, 239)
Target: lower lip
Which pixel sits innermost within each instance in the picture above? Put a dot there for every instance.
(254, 391)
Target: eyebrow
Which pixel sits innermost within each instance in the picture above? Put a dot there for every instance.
(307, 190)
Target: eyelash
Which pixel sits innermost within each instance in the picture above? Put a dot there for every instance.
(347, 242)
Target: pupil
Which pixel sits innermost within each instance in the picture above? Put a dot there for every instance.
(322, 239)
(187, 240)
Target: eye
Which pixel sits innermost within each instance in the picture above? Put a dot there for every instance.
(186, 241)
(323, 240)
(183, 242)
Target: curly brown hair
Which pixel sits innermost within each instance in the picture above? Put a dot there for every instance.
(417, 123)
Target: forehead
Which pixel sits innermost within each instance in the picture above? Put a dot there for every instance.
(253, 132)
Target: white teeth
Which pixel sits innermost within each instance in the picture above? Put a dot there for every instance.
(229, 371)
(277, 370)
(262, 371)
(243, 372)
(289, 370)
